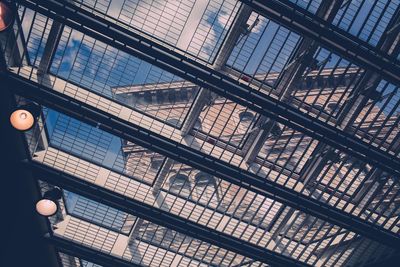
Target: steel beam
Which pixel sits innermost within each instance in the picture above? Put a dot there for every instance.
(136, 44)
(204, 96)
(289, 80)
(50, 47)
(89, 254)
(388, 44)
(196, 158)
(157, 216)
(329, 36)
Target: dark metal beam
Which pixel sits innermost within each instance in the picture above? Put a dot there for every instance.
(157, 215)
(136, 44)
(205, 97)
(329, 36)
(50, 47)
(195, 158)
(86, 253)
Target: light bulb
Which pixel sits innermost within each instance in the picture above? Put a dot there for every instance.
(22, 119)
(23, 115)
(46, 207)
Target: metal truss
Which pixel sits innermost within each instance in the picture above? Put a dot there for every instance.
(158, 216)
(197, 159)
(329, 36)
(217, 82)
(289, 79)
(89, 254)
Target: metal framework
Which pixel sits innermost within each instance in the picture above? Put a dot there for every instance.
(329, 36)
(88, 254)
(215, 81)
(213, 133)
(158, 216)
(196, 159)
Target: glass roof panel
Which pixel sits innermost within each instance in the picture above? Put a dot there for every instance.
(367, 20)
(262, 53)
(309, 5)
(296, 234)
(326, 87)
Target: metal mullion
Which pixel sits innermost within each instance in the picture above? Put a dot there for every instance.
(328, 183)
(353, 19)
(342, 180)
(347, 246)
(212, 25)
(91, 47)
(367, 112)
(395, 138)
(278, 242)
(262, 220)
(379, 187)
(376, 205)
(355, 81)
(240, 220)
(255, 45)
(289, 6)
(326, 167)
(277, 157)
(180, 193)
(320, 91)
(19, 33)
(150, 241)
(362, 184)
(207, 206)
(168, 248)
(298, 162)
(375, 136)
(161, 246)
(322, 239)
(266, 52)
(369, 244)
(306, 232)
(86, 253)
(226, 123)
(356, 176)
(379, 19)
(342, 239)
(215, 254)
(370, 110)
(314, 84)
(347, 89)
(278, 54)
(388, 191)
(208, 134)
(68, 38)
(217, 118)
(40, 41)
(392, 213)
(291, 240)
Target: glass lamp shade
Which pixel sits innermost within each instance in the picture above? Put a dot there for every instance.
(24, 117)
(46, 207)
(22, 120)
(6, 15)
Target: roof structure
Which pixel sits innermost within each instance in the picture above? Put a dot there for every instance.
(212, 133)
